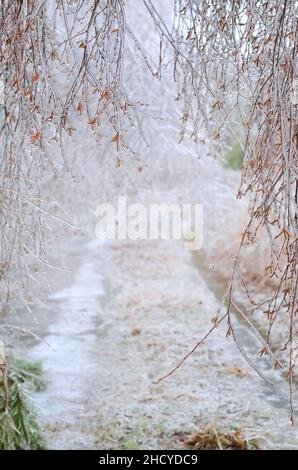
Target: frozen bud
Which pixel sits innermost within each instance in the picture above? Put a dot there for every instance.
(1, 92)
(2, 353)
(295, 91)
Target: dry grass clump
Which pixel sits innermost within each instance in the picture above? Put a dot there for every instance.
(213, 438)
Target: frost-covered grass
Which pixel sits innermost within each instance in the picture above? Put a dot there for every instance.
(19, 423)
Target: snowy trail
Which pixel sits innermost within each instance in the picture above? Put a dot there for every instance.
(67, 351)
(130, 313)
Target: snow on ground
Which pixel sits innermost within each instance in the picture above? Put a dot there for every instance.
(132, 311)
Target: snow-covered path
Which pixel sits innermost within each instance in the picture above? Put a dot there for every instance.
(131, 311)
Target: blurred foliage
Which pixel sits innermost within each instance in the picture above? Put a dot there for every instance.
(234, 158)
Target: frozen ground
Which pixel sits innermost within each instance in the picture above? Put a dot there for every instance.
(123, 318)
